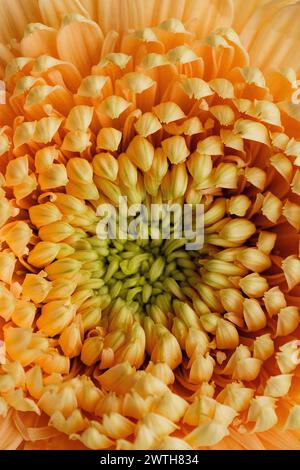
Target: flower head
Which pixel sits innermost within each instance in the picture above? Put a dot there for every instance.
(140, 343)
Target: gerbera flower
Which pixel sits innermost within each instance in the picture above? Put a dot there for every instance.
(141, 344)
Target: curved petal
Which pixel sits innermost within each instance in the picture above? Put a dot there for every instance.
(15, 14)
(278, 38)
(53, 12)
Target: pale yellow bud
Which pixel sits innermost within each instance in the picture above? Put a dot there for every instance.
(80, 170)
(34, 382)
(57, 398)
(160, 425)
(254, 285)
(141, 153)
(88, 395)
(35, 288)
(200, 167)
(202, 369)
(210, 322)
(254, 259)
(68, 204)
(23, 314)
(7, 383)
(170, 406)
(118, 378)
(158, 170)
(167, 350)
(206, 390)
(262, 412)
(207, 434)
(16, 371)
(76, 141)
(272, 207)
(56, 232)
(64, 268)
(186, 314)
(175, 149)
(61, 289)
(133, 352)
(241, 352)
(116, 426)
(256, 176)
(278, 385)
(93, 439)
(16, 400)
(7, 303)
(74, 423)
(111, 190)
(288, 320)
(291, 269)
(215, 212)
(109, 139)
(162, 371)
(232, 300)
(70, 340)
(202, 409)
(266, 241)
(7, 210)
(44, 158)
(254, 315)
(175, 182)
(17, 236)
(238, 205)
(196, 340)
(210, 146)
(135, 406)
(92, 85)
(91, 317)
(247, 369)
(223, 267)
(53, 177)
(43, 253)
(263, 347)
(236, 396)
(210, 297)
(113, 106)
(274, 300)
(105, 165)
(44, 214)
(288, 357)
(91, 350)
(227, 336)
(168, 112)
(16, 171)
(238, 230)
(147, 385)
(145, 439)
(55, 317)
(79, 118)
(127, 171)
(121, 320)
(147, 124)
(52, 362)
(179, 330)
(226, 175)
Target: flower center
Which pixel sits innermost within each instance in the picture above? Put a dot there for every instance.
(139, 271)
